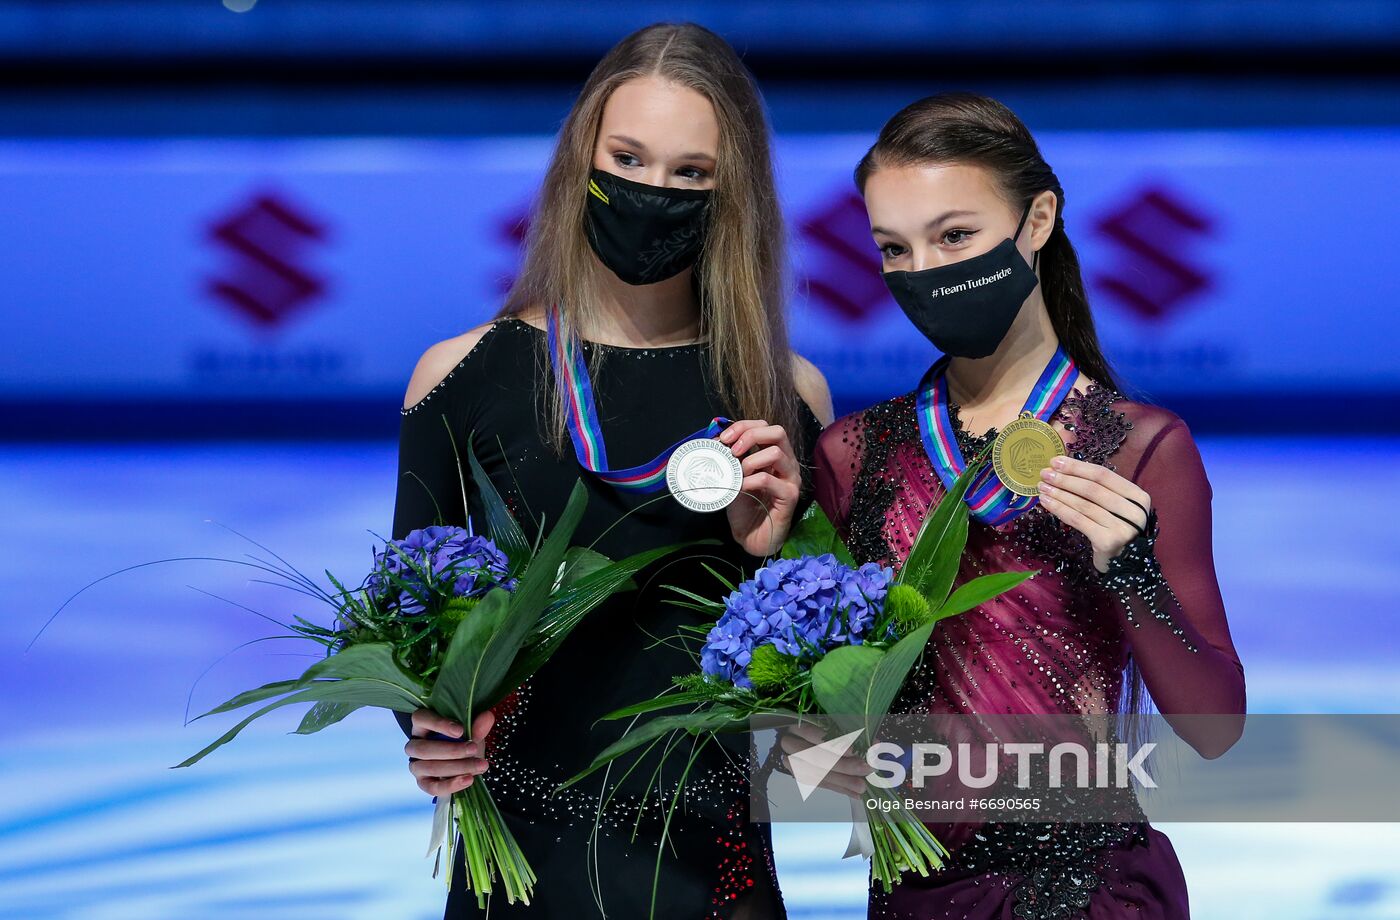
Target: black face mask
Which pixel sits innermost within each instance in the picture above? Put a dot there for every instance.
(645, 233)
(966, 308)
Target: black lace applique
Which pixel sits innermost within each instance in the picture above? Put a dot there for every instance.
(1053, 869)
(1135, 574)
(1098, 429)
(968, 443)
(1136, 564)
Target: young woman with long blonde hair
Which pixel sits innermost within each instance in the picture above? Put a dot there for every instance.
(653, 273)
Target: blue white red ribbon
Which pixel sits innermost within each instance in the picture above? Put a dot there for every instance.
(988, 499)
(571, 376)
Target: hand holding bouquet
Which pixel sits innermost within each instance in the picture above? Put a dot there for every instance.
(452, 622)
(814, 633)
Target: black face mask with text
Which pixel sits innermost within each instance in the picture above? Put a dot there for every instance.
(966, 308)
(645, 233)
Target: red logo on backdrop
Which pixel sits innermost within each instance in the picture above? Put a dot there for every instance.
(842, 270)
(268, 237)
(1151, 231)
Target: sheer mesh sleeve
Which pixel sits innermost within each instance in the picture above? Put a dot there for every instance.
(1176, 628)
(835, 460)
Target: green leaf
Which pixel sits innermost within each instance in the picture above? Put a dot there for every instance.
(859, 680)
(728, 585)
(575, 602)
(501, 525)
(932, 562)
(487, 642)
(363, 691)
(980, 590)
(660, 702)
(580, 562)
(266, 691)
(324, 713)
(717, 719)
(366, 659)
(813, 535)
(700, 601)
(369, 659)
(891, 672)
(457, 679)
(841, 679)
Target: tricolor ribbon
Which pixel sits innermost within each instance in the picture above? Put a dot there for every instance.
(988, 499)
(571, 376)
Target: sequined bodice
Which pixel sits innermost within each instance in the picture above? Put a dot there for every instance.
(1057, 643)
(1055, 648)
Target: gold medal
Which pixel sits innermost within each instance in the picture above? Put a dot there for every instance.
(1022, 449)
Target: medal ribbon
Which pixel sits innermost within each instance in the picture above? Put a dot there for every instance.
(988, 499)
(571, 376)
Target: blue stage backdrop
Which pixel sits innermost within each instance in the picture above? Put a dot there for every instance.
(209, 273)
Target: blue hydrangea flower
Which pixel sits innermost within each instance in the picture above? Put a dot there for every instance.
(803, 606)
(446, 562)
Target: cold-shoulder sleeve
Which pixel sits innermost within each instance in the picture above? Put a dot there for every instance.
(1176, 626)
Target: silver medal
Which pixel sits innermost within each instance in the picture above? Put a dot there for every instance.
(704, 475)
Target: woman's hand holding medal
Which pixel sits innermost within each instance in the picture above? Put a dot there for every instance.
(761, 516)
(1099, 503)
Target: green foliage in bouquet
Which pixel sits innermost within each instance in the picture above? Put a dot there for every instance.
(846, 654)
(451, 622)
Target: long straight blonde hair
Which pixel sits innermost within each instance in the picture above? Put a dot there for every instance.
(740, 273)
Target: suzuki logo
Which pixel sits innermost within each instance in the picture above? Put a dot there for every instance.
(1151, 232)
(845, 272)
(268, 238)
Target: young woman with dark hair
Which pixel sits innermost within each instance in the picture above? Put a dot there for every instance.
(968, 218)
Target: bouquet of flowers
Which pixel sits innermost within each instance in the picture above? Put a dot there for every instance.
(454, 622)
(815, 633)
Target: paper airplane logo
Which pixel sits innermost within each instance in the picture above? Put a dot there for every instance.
(810, 767)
